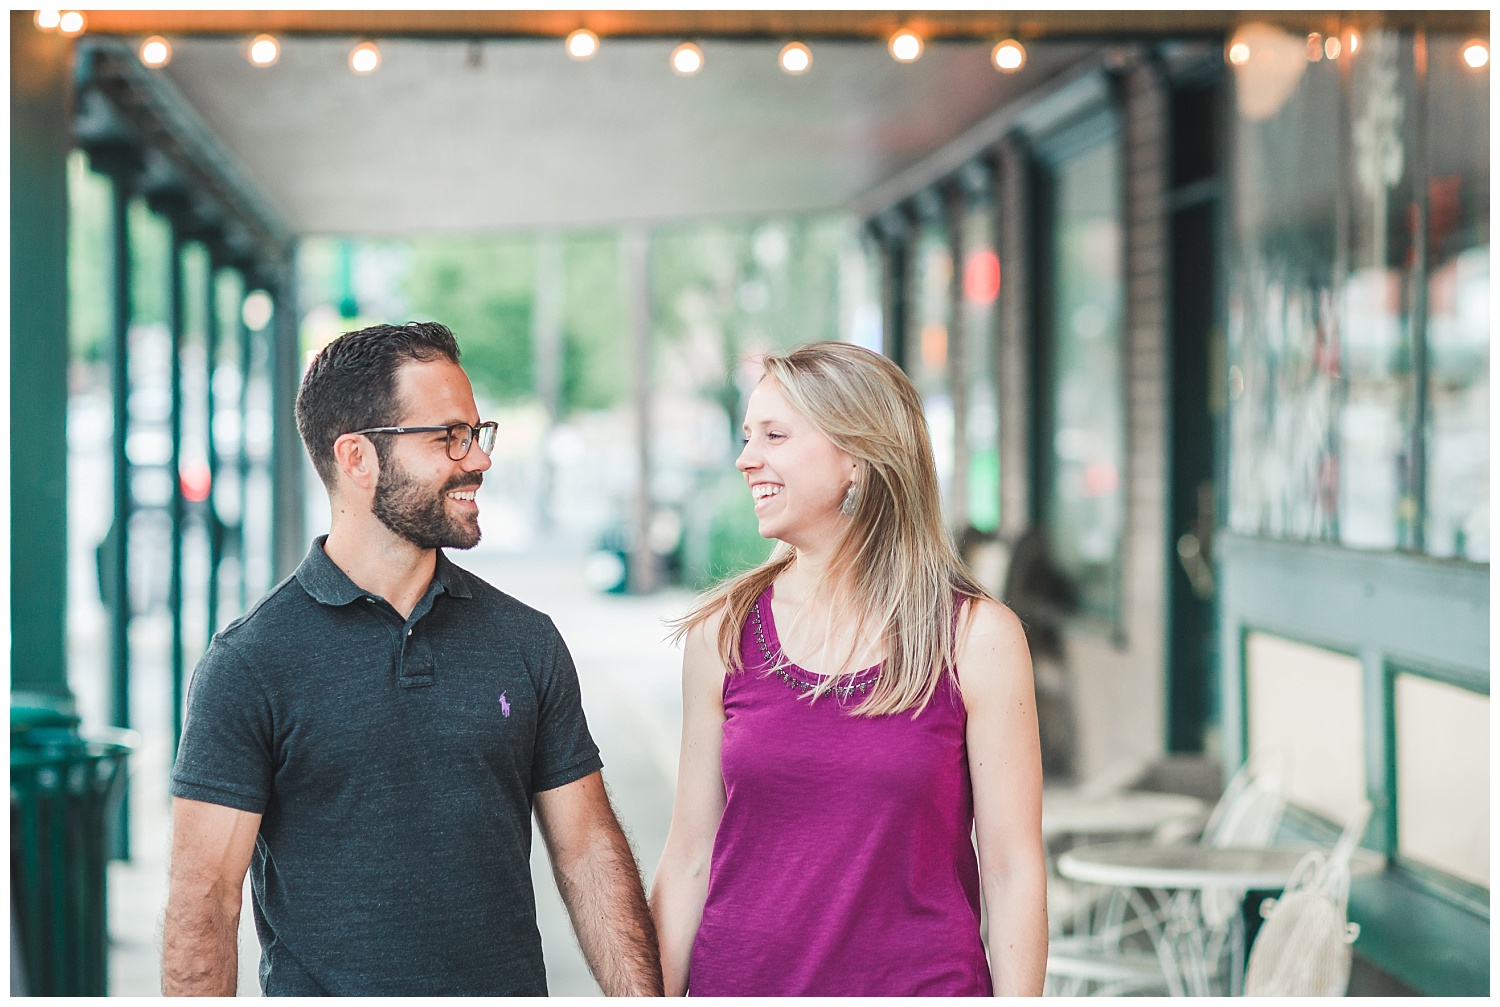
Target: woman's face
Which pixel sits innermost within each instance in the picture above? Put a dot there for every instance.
(796, 475)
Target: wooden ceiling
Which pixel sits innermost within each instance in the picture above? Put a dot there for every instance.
(991, 24)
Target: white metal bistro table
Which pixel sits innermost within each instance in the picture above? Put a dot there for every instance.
(1071, 812)
(1073, 815)
(1177, 877)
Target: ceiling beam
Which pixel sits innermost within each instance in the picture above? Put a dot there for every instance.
(758, 24)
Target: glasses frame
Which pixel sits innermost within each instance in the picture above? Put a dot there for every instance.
(476, 435)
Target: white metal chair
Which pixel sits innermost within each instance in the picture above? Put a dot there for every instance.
(1304, 946)
(1110, 954)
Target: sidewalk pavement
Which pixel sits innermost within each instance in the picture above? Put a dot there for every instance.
(630, 678)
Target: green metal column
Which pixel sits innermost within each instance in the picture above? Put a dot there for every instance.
(176, 313)
(287, 539)
(210, 512)
(39, 146)
(242, 461)
(118, 546)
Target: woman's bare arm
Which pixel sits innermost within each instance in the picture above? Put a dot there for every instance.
(680, 887)
(1005, 769)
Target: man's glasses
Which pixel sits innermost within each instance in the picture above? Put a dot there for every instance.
(461, 436)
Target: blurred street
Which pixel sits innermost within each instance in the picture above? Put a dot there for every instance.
(630, 679)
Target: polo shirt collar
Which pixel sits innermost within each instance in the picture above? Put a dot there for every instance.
(321, 578)
(455, 580)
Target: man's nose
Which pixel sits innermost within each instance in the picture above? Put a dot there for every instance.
(476, 460)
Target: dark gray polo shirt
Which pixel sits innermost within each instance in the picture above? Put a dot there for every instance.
(394, 763)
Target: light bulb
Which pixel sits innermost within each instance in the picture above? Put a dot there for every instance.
(257, 310)
(1332, 47)
(795, 58)
(1009, 56)
(1239, 53)
(906, 46)
(47, 20)
(687, 59)
(71, 22)
(582, 44)
(156, 51)
(364, 58)
(1476, 54)
(264, 50)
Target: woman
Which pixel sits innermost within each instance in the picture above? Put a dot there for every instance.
(852, 708)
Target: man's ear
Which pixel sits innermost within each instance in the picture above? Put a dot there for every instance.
(354, 457)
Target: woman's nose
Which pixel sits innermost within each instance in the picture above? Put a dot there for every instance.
(747, 459)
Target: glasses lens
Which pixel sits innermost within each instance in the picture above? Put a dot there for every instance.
(460, 436)
(487, 433)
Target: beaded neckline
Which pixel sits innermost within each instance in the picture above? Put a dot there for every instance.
(797, 684)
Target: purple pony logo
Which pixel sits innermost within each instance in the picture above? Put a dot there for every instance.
(504, 706)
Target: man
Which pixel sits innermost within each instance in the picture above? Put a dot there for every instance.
(371, 739)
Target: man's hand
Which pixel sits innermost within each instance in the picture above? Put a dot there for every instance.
(211, 847)
(600, 884)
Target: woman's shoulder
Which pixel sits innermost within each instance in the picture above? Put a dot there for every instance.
(991, 644)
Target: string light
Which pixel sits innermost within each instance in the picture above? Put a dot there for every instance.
(156, 51)
(582, 44)
(264, 50)
(71, 22)
(1332, 47)
(687, 59)
(1476, 54)
(47, 20)
(795, 58)
(1239, 53)
(1314, 47)
(1353, 42)
(906, 46)
(364, 58)
(1009, 56)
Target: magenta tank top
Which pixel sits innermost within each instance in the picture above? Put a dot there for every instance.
(843, 865)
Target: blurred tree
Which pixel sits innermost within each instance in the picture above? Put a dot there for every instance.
(481, 289)
(89, 197)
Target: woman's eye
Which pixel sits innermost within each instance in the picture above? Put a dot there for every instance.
(773, 436)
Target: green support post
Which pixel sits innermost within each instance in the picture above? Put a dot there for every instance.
(39, 144)
(242, 461)
(287, 541)
(177, 320)
(118, 574)
(210, 512)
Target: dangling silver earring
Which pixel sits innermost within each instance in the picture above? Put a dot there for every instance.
(850, 501)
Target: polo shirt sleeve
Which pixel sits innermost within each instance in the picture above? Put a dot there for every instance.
(564, 751)
(226, 753)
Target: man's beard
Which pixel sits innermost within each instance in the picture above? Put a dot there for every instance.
(420, 516)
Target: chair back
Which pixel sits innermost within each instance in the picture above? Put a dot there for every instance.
(1250, 810)
(1304, 947)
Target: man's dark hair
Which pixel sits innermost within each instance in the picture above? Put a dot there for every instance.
(351, 385)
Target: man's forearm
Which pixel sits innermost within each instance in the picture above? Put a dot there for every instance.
(200, 946)
(602, 890)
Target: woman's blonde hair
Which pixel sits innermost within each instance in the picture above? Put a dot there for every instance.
(894, 568)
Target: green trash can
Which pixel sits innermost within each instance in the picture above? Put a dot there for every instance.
(65, 788)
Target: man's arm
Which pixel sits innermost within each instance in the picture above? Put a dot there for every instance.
(211, 847)
(1005, 771)
(600, 884)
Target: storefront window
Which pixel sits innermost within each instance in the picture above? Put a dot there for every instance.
(927, 350)
(1377, 506)
(1282, 338)
(1084, 423)
(1335, 315)
(1458, 298)
(981, 289)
